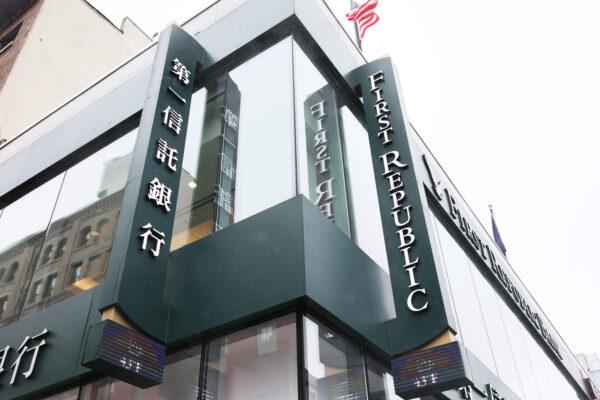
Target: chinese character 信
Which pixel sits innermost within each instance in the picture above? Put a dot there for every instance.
(30, 344)
(160, 194)
(227, 166)
(157, 236)
(166, 154)
(172, 119)
(180, 70)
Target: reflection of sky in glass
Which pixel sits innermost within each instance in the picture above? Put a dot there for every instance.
(83, 181)
(265, 168)
(194, 133)
(30, 214)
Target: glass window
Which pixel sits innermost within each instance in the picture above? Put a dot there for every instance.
(180, 381)
(259, 363)
(363, 192)
(321, 166)
(380, 383)
(239, 158)
(505, 362)
(519, 349)
(68, 220)
(464, 298)
(334, 367)
(90, 197)
(22, 230)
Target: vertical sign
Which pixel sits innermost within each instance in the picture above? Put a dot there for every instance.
(227, 156)
(138, 265)
(421, 313)
(326, 179)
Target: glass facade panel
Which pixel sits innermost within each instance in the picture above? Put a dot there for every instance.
(339, 8)
(521, 362)
(259, 363)
(22, 230)
(334, 367)
(321, 161)
(368, 232)
(505, 362)
(56, 240)
(464, 297)
(239, 158)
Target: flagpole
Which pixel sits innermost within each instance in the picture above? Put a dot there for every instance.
(358, 41)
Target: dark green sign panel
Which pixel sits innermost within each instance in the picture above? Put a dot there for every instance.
(421, 313)
(140, 256)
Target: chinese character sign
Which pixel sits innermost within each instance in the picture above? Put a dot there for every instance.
(25, 358)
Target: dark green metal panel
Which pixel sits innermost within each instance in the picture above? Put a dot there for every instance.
(421, 312)
(344, 281)
(247, 268)
(58, 360)
(289, 255)
(136, 279)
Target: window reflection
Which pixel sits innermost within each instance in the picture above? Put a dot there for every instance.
(22, 229)
(259, 363)
(334, 366)
(321, 160)
(55, 241)
(239, 157)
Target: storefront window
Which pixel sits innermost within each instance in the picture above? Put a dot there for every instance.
(334, 367)
(56, 240)
(259, 363)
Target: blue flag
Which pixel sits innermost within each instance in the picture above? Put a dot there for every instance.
(496, 232)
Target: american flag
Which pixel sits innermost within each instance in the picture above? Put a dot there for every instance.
(364, 16)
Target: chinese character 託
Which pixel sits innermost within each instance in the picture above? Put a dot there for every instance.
(160, 194)
(29, 344)
(172, 119)
(166, 154)
(182, 73)
(157, 236)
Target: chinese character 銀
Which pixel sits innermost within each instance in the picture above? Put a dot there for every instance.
(160, 194)
(157, 236)
(183, 74)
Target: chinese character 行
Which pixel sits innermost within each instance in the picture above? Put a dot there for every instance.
(165, 153)
(182, 73)
(493, 393)
(25, 348)
(156, 235)
(160, 194)
(172, 119)
(3, 354)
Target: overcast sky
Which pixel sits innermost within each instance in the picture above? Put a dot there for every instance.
(507, 95)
